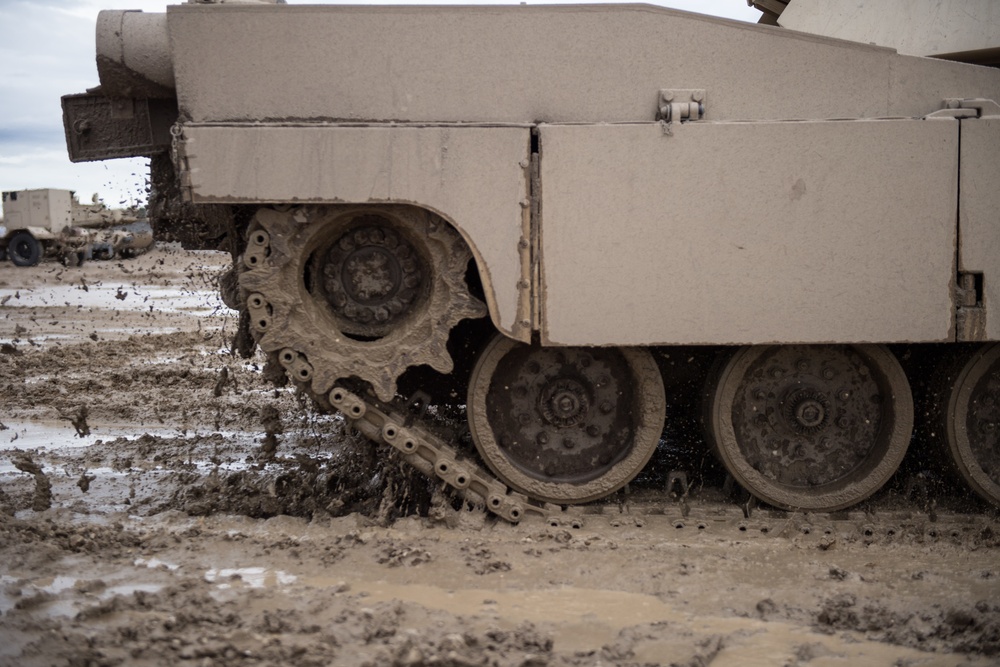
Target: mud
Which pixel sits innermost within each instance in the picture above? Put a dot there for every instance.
(160, 503)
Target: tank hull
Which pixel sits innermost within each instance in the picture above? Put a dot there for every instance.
(385, 177)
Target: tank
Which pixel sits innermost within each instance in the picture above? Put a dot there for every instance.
(518, 213)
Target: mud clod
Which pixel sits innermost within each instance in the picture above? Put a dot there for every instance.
(84, 481)
(42, 498)
(270, 420)
(78, 418)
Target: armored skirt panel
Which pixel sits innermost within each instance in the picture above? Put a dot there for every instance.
(717, 233)
(749, 233)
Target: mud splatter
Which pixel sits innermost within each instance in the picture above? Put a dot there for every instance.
(42, 498)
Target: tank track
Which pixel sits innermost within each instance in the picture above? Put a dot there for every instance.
(419, 446)
(432, 456)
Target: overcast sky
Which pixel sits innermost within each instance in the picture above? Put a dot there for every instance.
(47, 50)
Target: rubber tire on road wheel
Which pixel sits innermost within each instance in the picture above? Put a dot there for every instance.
(24, 249)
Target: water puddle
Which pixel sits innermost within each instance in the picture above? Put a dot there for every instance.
(67, 598)
(59, 434)
(254, 577)
(155, 564)
(116, 296)
(587, 618)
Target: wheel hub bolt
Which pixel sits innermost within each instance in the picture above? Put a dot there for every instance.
(566, 403)
(542, 438)
(592, 430)
(568, 444)
(844, 395)
(606, 407)
(828, 373)
(843, 422)
(810, 413)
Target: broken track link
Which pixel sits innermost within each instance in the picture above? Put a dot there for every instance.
(435, 458)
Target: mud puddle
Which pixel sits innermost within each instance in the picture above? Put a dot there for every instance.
(162, 504)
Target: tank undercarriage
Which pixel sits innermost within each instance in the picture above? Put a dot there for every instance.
(358, 304)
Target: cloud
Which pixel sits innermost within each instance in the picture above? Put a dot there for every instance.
(118, 182)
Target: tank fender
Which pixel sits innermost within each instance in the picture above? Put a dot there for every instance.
(476, 178)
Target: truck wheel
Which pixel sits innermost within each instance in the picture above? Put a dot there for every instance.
(24, 249)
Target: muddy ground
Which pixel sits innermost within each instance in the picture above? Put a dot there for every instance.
(161, 504)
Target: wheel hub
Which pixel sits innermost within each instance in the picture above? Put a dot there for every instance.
(564, 403)
(372, 278)
(807, 411)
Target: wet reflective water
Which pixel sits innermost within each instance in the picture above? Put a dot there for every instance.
(114, 296)
(35, 593)
(254, 577)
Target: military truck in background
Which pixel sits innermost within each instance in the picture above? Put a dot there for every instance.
(519, 211)
(51, 222)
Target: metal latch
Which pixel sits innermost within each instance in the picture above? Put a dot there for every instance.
(970, 321)
(955, 107)
(676, 105)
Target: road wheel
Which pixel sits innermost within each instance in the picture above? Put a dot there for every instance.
(818, 427)
(565, 425)
(972, 422)
(24, 249)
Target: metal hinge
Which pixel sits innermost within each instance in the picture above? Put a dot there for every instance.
(955, 107)
(679, 105)
(179, 155)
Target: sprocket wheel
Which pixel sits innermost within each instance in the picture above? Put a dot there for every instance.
(341, 292)
(565, 425)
